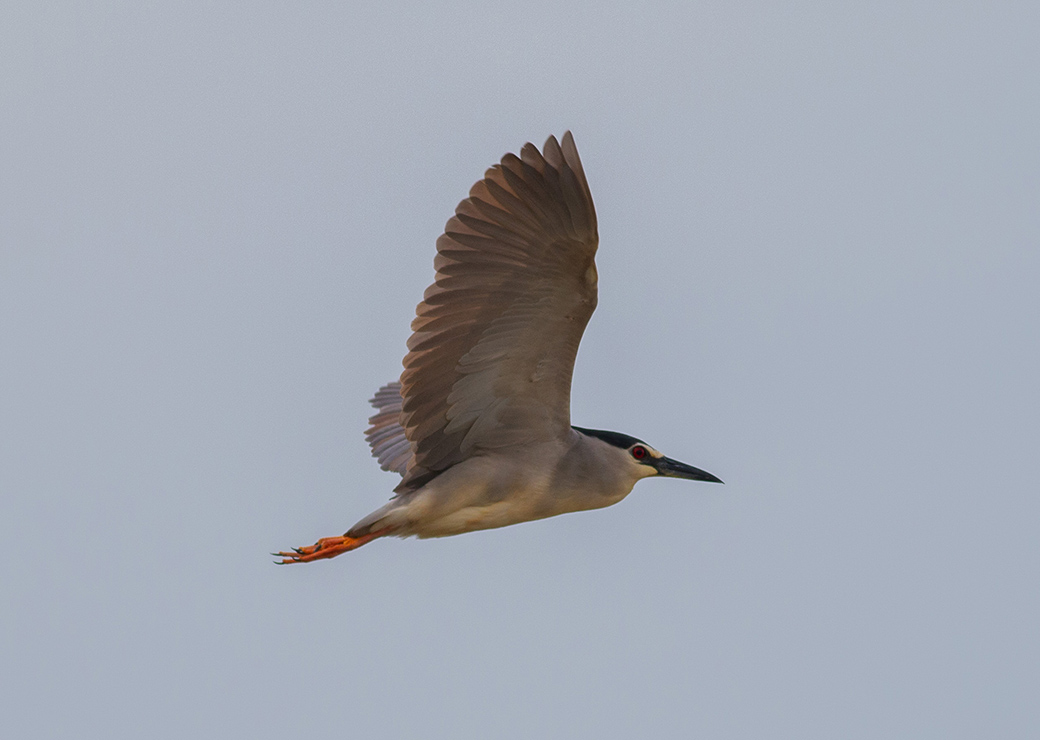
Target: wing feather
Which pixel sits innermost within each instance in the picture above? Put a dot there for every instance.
(385, 434)
(494, 340)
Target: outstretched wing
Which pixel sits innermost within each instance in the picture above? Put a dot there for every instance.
(494, 340)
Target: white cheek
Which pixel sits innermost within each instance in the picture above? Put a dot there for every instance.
(645, 471)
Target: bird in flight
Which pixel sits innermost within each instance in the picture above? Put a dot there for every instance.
(478, 425)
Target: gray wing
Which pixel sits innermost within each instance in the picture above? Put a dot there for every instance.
(494, 340)
(385, 434)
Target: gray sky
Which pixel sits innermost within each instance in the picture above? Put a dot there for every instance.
(819, 260)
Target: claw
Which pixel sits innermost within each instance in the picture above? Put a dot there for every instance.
(326, 547)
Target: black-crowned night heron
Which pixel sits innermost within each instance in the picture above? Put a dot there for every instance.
(479, 424)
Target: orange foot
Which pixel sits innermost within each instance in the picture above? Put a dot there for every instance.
(326, 547)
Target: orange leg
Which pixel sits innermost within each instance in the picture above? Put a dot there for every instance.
(326, 547)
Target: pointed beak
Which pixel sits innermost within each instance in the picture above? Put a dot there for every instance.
(674, 469)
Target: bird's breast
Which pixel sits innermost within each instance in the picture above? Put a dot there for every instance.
(485, 493)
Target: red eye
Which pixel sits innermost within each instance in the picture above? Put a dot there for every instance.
(639, 452)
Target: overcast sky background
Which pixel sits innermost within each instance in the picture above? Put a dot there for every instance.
(819, 274)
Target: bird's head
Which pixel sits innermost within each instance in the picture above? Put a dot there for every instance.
(644, 461)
